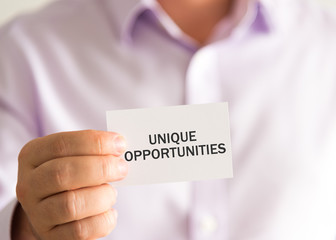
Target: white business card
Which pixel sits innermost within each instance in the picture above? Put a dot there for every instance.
(173, 144)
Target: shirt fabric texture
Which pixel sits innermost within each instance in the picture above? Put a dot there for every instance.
(62, 67)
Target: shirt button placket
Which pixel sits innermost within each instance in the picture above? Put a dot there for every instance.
(208, 219)
(208, 224)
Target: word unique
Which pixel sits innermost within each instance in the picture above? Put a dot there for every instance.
(175, 151)
(173, 137)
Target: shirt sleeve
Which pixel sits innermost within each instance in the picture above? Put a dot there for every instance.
(18, 117)
(6, 215)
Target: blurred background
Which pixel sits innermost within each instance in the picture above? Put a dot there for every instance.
(11, 8)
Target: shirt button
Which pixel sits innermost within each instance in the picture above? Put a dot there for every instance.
(208, 224)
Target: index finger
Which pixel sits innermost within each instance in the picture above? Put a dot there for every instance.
(79, 143)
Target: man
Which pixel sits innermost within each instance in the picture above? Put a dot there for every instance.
(62, 67)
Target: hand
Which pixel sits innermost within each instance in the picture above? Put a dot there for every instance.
(62, 184)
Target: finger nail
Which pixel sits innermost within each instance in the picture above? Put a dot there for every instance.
(115, 192)
(115, 213)
(119, 144)
(123, 168)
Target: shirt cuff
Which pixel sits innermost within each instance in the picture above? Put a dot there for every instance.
(6, 215)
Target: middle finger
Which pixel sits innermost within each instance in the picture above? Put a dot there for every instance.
(75, 205)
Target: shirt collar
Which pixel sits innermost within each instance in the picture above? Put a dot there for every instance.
(248, 16)
(126, 13)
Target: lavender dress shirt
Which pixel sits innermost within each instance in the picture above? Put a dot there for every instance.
(275, 63)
